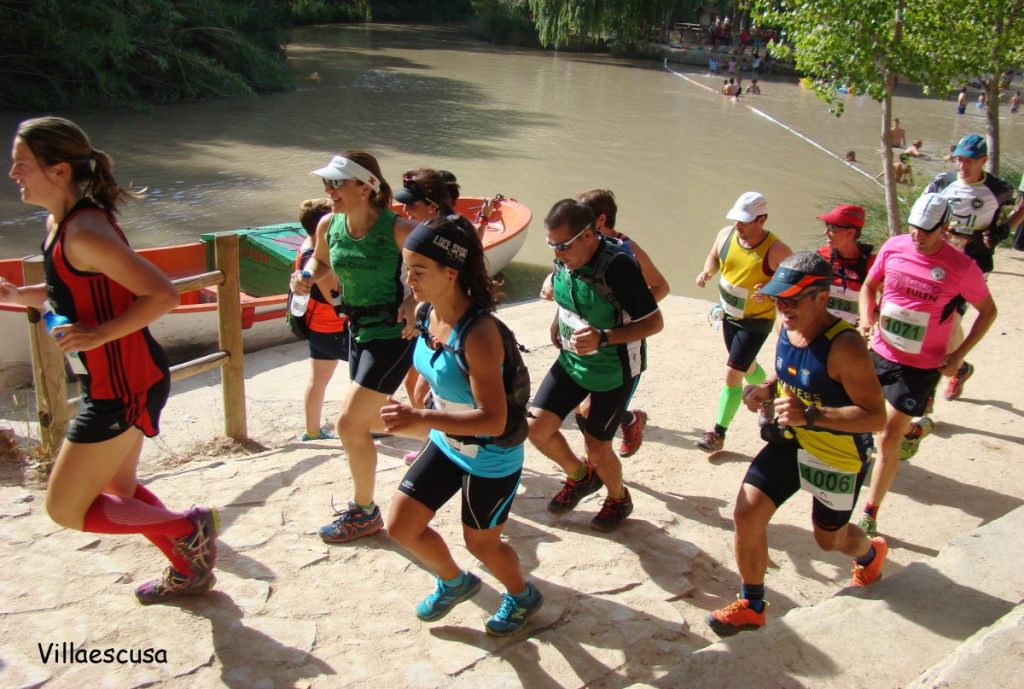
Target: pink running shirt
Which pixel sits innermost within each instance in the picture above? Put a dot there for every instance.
(916, 290)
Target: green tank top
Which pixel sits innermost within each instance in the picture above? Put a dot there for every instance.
(580, 303)
(370, 272)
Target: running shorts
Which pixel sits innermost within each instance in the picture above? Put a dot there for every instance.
(775, 473)
(328, 345)
(99, 420)
(559, 394)
(433, 479)
(906, 388)
(743, 344)
(380, 365)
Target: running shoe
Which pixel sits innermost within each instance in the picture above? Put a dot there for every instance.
(865, 575)
(868, 525)
(444, 598)
(200, 548)
(515, 611)
(711, 442)
(735, 618)
(633, 434)
(322, 434)
(911, 442)
(174, 585)
(573, 491)
(955, 387)
(613, 512)
(351, 524)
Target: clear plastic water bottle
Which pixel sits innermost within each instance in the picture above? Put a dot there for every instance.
(301, 301)
(53, 320)
(716, 315)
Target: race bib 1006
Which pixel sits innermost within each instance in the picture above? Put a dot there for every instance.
(832, 487)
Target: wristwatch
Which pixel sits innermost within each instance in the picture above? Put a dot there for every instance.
(811, 413)
(603, 339)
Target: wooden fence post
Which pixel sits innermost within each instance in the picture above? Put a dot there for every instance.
(229, 323)
(48, 369)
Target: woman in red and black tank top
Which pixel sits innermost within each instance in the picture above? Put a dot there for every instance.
(109, 294)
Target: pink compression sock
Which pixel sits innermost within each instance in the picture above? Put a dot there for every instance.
(108, 514)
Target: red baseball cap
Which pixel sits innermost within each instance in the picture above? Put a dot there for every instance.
(847, 214)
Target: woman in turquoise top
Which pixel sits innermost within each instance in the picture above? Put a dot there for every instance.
(361, 240)
(468, 410)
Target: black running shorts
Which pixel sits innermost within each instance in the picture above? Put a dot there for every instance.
(775, 473)
(906, 388)
(101, 420)
(380, 365)
(743, 344)
(433, 479)
(559, 394)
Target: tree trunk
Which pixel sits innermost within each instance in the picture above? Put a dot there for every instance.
(992, 120)
(892, 208)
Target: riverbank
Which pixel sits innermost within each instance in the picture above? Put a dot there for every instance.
(622, 608)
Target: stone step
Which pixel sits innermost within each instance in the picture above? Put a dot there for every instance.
(890, 633)
(990, 658)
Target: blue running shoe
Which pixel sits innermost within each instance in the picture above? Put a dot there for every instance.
(322, 434)
(352, 524)
(444, 598)
(515, 611)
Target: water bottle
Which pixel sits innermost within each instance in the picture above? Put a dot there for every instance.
(716, 315)
(301, 301)
(52, 320)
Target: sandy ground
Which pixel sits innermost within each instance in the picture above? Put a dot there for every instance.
(290, 611)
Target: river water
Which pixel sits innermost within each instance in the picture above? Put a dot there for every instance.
(536, 125)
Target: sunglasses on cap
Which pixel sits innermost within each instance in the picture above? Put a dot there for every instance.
(564, 246)
(793, 302)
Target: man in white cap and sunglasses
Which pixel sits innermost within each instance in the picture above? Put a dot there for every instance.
(747, 255)
(826, 402)
(910, 294)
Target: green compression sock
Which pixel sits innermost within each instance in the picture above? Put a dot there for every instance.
(728, 404)
(757, 377)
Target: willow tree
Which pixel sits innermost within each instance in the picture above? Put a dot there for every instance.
(562, 21)
(866, 45)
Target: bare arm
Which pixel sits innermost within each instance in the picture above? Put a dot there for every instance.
(850, 364)
(319, 266)
(656, 282)
(28, 295)
(987, 314)
(778, 252)
(711, 262)
(588, 338)
(868, 305)
(92, 245)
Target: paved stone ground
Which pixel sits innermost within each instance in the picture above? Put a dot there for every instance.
(289, 611)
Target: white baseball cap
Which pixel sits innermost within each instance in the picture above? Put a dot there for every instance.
(747, 207)
(930, 212)
(342, 168)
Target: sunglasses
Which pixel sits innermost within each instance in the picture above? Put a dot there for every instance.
(829, 227)
(334, 183)
(793, 302)
(409, 182)
(564, 246)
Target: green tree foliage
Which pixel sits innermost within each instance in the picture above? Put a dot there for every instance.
(67, 53)
(865, 45)
(628, 21)
(984, 40)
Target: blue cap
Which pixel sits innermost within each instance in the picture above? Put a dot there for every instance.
(971, 146)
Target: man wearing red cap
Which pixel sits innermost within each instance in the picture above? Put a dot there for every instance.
(850, 259)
